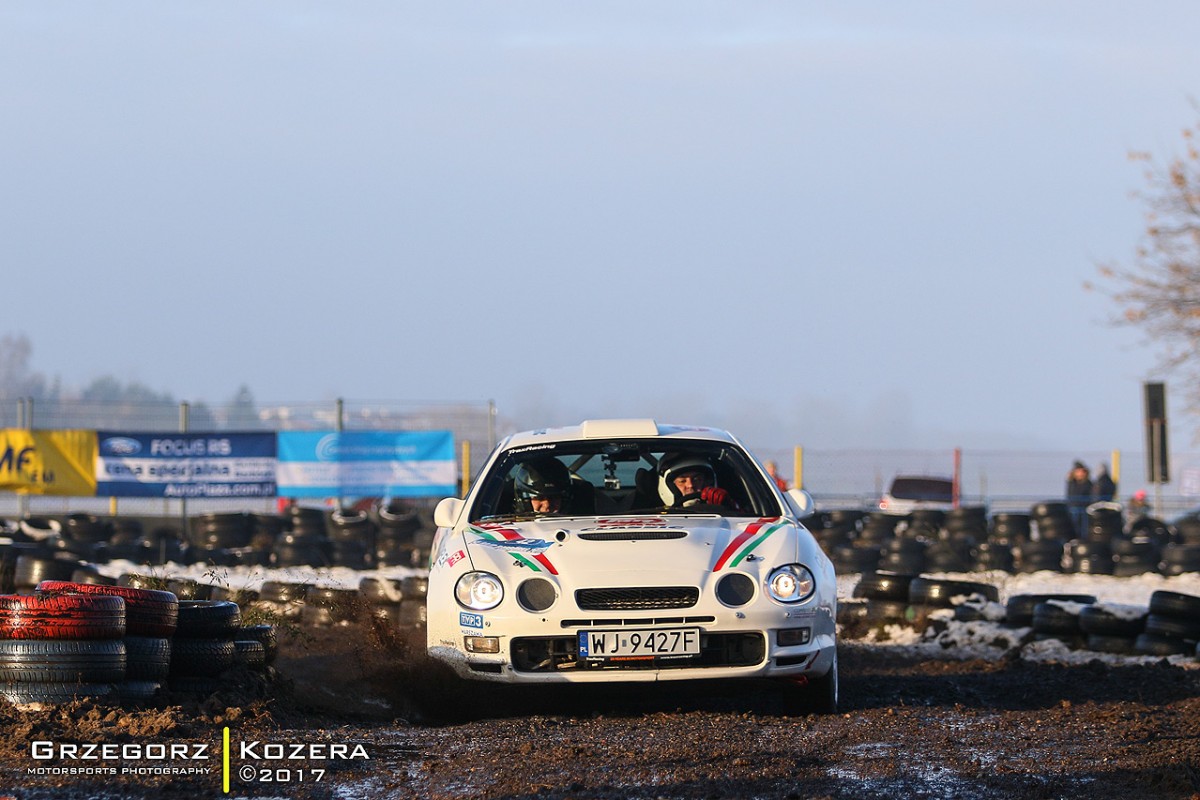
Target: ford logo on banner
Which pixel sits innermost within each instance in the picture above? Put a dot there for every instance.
(120, 446)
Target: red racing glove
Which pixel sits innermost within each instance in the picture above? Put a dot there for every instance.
(714, 496)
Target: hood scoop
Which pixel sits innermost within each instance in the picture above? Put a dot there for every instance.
(628, 535)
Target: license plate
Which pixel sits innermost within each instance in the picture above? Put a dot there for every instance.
(639, 643)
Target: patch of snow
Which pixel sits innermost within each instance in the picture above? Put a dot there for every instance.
(254, 577)
(1069, 606)
(1123, 610)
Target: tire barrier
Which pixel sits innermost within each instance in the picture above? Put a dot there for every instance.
(147, 658)
(398, 533)
(329, 606)
(200, 658)
(965, 540)
(148, 612)
(31, 570)
(69, 641)
(207, 619)
(62, 661)
(1169, 626)
(56, 693)
(249, 654)
(265, 635)
(61, 616)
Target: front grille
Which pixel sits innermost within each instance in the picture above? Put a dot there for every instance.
(561, 653)
(632, 536)
(635, 622)
(637, 598)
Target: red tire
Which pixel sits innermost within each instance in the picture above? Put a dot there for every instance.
(61, 616)
(148, 612)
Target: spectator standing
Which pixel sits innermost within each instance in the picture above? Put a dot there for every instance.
(1104, 489)
(1079, 495)
(773, 471)
(1137, 507)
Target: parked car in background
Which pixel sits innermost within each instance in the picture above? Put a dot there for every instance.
(585, 554)
(911, 492)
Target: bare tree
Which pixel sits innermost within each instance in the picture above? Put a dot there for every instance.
(1159, 290)
(16, 377)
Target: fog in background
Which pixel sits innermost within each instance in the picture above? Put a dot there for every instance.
(863, 226)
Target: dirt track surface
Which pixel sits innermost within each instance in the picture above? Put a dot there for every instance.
(909, 727)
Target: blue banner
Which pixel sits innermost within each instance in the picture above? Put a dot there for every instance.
(367, 464)
(183, 465)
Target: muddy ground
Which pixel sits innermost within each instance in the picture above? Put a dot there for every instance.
(910, 726)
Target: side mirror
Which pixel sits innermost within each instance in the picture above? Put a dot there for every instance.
(801, 502)
(446, 512)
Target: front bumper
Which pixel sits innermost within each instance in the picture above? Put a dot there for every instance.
(743, 644)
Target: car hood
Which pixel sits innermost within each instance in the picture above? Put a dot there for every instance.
(620, 546)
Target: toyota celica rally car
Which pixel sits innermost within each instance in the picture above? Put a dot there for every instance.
(625, 550)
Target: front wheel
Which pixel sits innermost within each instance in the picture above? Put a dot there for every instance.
(814, 696)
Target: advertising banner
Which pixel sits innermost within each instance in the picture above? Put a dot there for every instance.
(367, 464)
(48, 462)
(181, 465)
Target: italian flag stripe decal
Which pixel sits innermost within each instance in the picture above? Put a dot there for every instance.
(755, 544)
(751, 531)
(508, 533)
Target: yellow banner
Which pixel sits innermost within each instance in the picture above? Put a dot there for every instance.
(48, 462)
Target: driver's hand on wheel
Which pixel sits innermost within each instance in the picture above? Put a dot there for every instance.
(714, 496)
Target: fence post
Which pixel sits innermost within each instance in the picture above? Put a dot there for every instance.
(491, 425)
(465, 480)
(1116, 471)
(184, 410)
(25, 415)
(957, 484)
(340, 425)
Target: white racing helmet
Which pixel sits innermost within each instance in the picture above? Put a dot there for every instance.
(680, 462)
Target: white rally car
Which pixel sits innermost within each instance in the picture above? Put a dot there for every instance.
(625, 550)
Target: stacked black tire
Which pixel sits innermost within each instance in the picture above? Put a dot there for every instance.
(1112, 628)
(325, 606)
(1173, 625)
(887, 597)
(395, 540)
(304, 540)
(203, 647)
(351, 538)
(60, 647)
(151, 617)
(221, 539)
(1182, 554)
(395, 605)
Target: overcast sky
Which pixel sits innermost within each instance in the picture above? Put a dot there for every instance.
(833, 224)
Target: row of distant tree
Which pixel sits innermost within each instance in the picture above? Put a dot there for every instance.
(106, 401)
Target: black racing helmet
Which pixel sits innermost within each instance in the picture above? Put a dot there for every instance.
(543, 477)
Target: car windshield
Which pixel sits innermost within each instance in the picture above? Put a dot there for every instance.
(615, 477)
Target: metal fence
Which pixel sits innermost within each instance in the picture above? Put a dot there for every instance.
(1001, 480)
(473, 423)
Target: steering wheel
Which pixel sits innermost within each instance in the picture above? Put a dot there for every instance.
(687, 497)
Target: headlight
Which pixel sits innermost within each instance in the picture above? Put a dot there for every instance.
(479, 591)
(792, 583)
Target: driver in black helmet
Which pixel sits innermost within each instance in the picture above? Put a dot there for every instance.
(541, 486)
(687, 480)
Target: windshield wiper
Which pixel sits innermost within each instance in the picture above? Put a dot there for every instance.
(509, 518)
